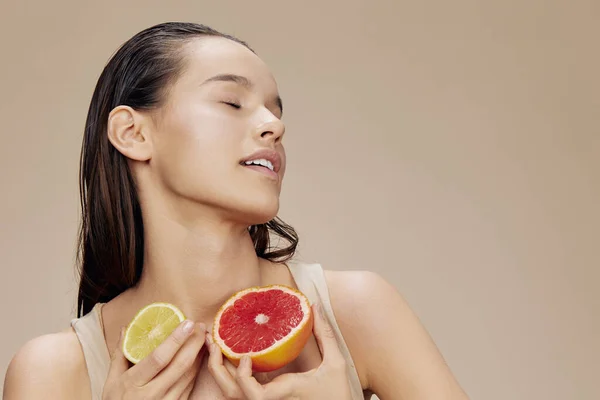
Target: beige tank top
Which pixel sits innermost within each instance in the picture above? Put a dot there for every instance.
(309, 279)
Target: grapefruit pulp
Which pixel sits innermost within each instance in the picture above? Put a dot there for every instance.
(271, 324)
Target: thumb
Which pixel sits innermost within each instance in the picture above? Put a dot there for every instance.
(118, 363)
(325, 335)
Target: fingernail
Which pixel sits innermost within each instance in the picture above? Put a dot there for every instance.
(188, 327)
(201, 327)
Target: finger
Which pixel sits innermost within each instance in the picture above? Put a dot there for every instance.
(325, 336)
(118, 363)
(232, 369)
(188, 391)
(184, 386)
(149, 367)
(220, 373)
(282, 387)
(248, 383)
(183, 368)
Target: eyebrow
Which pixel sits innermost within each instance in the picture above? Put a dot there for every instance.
(242, 81)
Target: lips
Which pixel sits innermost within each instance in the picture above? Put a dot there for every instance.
(262, 163)
(266, 158)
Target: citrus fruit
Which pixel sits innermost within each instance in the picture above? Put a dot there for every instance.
(149, 328)
(271, 324)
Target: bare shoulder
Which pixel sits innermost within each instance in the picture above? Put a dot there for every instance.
(370, 310)
(359, 293)
(352, 296)
(49, 366)
(364, 295)
(361, 284)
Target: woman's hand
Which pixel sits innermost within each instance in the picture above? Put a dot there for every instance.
(328, 381)
(169, 372)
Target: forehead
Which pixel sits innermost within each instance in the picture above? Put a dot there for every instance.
(207, 57)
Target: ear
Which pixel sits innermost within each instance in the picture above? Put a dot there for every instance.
(127, 132)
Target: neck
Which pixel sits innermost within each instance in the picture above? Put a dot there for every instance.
(196, 266)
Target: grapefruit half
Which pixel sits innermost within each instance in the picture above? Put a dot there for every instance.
(271, 324)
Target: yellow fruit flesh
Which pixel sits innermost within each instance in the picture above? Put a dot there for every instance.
(149, 328)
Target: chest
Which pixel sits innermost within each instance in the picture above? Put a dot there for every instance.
(207, 388)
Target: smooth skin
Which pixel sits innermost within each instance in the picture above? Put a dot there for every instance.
(197, 201)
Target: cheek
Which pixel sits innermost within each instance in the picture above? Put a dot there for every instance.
(197, 145)
(202, 131)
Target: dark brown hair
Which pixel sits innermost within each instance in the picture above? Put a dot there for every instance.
(111, 235)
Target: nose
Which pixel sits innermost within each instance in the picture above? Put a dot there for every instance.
(272, 130)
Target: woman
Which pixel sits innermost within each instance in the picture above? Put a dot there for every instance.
(181, 171)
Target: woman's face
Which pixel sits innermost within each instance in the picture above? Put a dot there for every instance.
(220, 121)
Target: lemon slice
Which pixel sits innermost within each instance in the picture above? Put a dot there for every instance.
(149, 328)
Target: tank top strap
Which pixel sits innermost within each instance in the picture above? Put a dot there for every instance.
(310, 280)
(90, 333)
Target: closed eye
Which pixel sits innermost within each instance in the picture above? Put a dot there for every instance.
(234, 105)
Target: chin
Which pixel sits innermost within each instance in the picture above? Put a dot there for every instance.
(256, 213)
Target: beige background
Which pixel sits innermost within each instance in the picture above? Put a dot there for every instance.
(454, 147)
